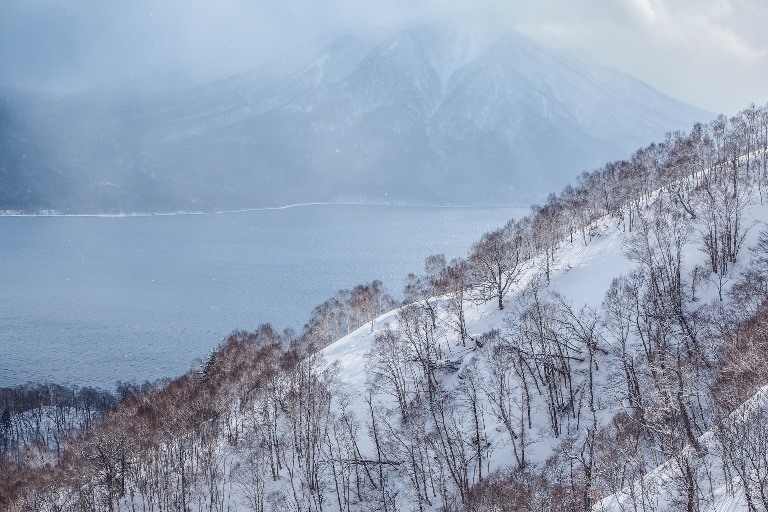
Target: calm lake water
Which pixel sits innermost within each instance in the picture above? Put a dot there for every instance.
(94, 300)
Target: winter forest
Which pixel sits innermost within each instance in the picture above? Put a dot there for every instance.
(607, 352)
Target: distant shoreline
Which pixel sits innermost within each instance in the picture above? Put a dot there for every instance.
(54, 213)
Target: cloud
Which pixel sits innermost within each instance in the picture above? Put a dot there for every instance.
(645, 9)
(713, 53)
(701, 28)
(676, 45)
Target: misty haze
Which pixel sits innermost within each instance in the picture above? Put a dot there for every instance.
(424, 116)
(424, 256)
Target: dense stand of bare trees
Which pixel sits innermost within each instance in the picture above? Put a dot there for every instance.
(346, 311)
(36, 418)
(447, 418)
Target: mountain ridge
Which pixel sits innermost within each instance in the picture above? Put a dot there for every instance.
(424, 115)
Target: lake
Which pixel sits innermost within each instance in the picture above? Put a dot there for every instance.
(94, 300)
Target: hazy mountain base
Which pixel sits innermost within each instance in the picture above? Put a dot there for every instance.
(419, 407)
(423, 116)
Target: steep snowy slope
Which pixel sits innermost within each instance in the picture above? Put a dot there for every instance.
(582, 274)
(662, 487)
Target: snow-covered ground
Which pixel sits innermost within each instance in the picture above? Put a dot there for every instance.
(659, 484)
(582, 274)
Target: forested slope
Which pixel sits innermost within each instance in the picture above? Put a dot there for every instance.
(618, 328)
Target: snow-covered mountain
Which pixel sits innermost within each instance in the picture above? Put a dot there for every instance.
(423, 115)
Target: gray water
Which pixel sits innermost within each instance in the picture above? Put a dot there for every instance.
(94, 300)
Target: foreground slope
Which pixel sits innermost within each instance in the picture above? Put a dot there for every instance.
(581, 277)
(723, 490)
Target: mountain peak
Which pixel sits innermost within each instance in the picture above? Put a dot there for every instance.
(427, 114)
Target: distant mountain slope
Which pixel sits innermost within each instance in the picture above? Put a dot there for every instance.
(425, 115)
(28, 174)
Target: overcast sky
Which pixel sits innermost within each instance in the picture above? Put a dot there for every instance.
(712, 53)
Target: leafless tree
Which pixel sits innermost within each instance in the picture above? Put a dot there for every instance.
(497, 263)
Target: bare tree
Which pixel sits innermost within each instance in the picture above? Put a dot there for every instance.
(497, 263)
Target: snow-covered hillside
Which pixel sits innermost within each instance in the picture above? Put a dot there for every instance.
(583, 272)
(714, 481)
(581, 277)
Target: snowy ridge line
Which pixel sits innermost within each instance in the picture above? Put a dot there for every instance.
(532, 266)
(349, 352)
(54, 213)
(660, 476)
(742, 413)
(693, 177)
